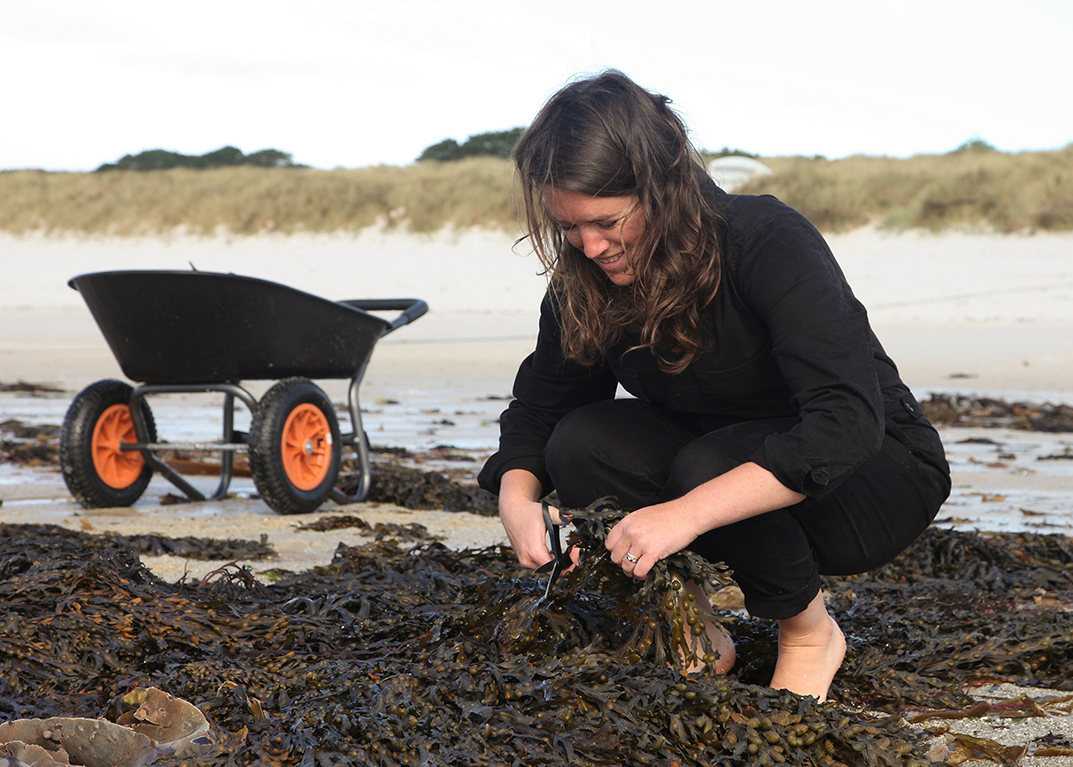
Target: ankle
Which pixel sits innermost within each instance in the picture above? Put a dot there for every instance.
(815, 634)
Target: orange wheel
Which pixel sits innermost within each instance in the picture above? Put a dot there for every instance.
(97, 472)
(294, 446)
(306, 447)
(115, 467)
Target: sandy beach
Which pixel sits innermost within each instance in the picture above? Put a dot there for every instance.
(959, 312)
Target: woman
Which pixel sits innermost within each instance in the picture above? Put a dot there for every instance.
(767, 428)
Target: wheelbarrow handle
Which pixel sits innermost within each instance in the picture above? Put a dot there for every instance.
(411, 308)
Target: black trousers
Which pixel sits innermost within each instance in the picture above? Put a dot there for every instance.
(643, 454)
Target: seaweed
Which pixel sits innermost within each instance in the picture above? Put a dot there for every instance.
(962, 410)
(30, 388)
(954, 610)
(149, 544)
(380, 531)
(416, 489)
(426, 655)
(29, 445)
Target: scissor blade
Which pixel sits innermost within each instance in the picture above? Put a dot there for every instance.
(556, 569)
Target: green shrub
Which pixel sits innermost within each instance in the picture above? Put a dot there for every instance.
(976, 144)
(491, 144)
(224, 157)
(726, 151)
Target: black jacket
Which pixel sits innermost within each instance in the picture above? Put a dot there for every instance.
(789, 339)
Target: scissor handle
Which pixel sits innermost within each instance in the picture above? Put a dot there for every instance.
(551, 527)
(553, 535)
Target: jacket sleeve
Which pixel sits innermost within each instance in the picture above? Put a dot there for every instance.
(824, 348)
(546, 388)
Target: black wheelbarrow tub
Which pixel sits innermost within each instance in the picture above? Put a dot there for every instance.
(205, 327)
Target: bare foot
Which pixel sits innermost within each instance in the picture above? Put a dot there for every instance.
(811, 649)
(722, 644)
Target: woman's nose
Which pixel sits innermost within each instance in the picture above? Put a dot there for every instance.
(593, 242)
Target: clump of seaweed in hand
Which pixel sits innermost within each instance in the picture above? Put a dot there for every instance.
(639, 619)
(658, 607)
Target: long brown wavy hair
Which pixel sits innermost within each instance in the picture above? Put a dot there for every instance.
(608, 137)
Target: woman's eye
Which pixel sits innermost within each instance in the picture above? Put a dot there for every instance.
(607, 225)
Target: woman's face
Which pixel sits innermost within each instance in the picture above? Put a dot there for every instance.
(603, 228)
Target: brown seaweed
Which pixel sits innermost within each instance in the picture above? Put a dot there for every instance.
(393, 656)
(959, 748)
(416, 489)
(153, 545)
(381, 530)
(29, 445)
(334, 522)
(962, 410)
(33, 389)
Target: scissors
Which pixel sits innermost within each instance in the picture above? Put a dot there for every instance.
(562, 558)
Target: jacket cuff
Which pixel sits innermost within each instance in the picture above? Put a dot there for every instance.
(795, 472)
(491, 476)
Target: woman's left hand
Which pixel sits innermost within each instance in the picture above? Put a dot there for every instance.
(648, 535)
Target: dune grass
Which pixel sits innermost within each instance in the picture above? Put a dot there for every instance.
(249, 200)
(973, 189)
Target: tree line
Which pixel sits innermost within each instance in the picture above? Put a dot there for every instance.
(491, 144)
(227, 156)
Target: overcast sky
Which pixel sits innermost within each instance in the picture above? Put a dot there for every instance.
(361, 82)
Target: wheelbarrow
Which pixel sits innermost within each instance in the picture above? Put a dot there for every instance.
(191, 332)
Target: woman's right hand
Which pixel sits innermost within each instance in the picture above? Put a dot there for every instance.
(522, 515)
(524, 523)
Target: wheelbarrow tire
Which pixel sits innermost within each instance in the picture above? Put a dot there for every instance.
(294, 446)
(97, 473)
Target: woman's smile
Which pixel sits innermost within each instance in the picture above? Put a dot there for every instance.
(603, 228)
